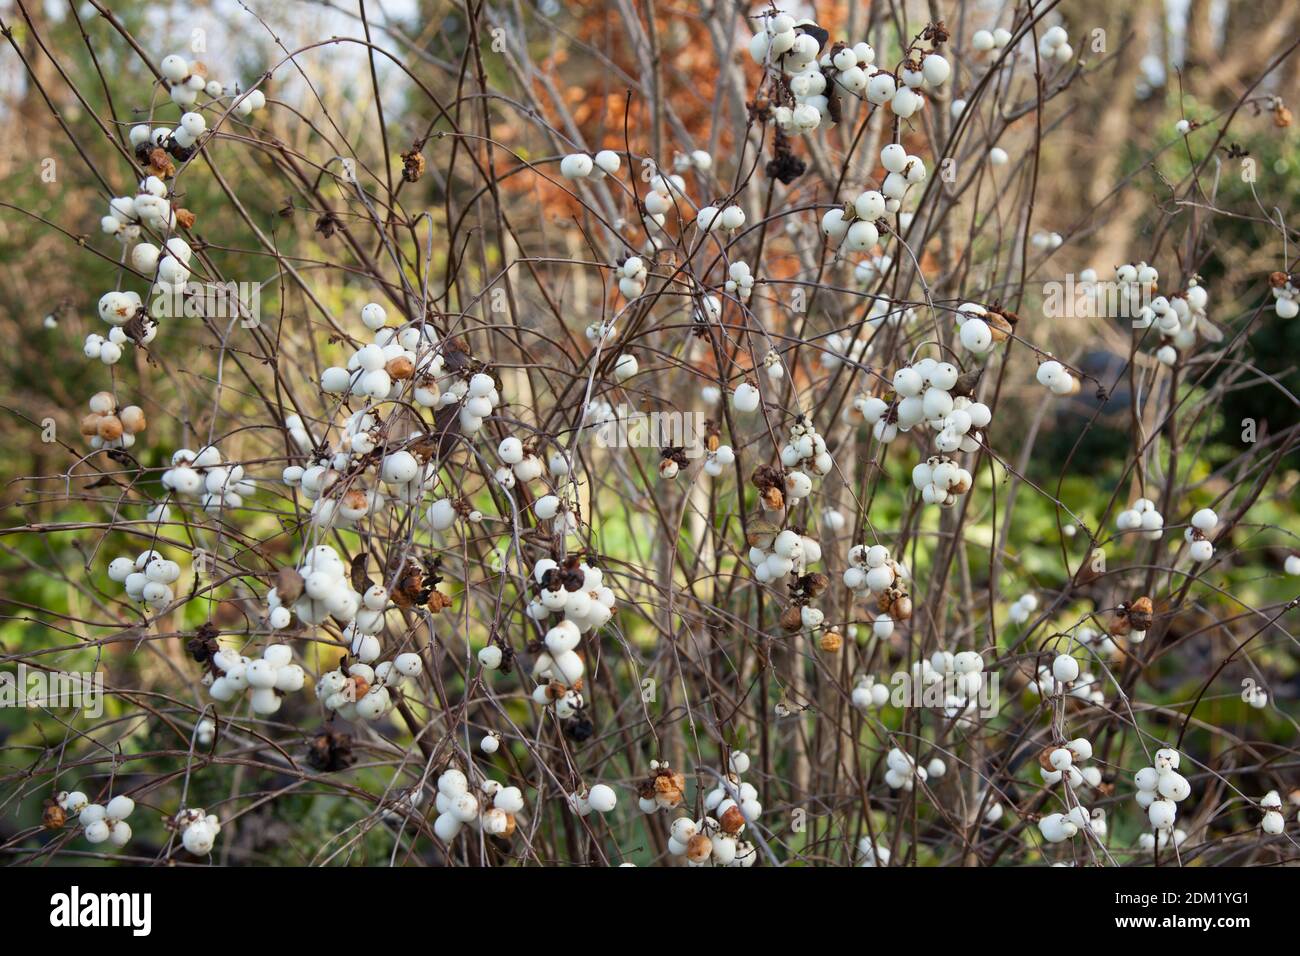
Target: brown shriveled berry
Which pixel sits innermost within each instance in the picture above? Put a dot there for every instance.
(90, 425)
(831, 642)
(791, 619)
(733, 820)
(1140, 612)
(761, 531)
(773, 498)
(54, 817)
(400, 367)
(109, 428)
(901, 608)
(699, 849)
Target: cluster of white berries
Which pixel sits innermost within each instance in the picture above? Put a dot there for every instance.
(1143, 517)
(631, 273)
(1023, 606)
(923, 395)
(982, 41)
(872, 571)
(356, 694)
(1272, 822)
(327, 592)
(1055, 45)
(1056, 378)
(201, 474)
(777, 554)
(601, 798)
(109, 350)
(100, 822)
(1066, 762)
(1046, 240)
(198, 830)
(740, 281)
(518, 463)
(267, 678)
(664, 194)
(1136, 285)
(902, 771)
(853, 227)
(148, 208)
(579, 593)
(713, 218)
(719, 459)
(698, 159)
(582, 165)
(804, 452)
(941, 481)
(962, 675)
(107, 426)
(1161, 788)
(1203, 524)
(149, 578)
(393, 361)
(494, 813)
(186, 79)
(1059, 827)
(784, 43)
(868, 693)
(714, 839)
(560, 663)
(1178, 318)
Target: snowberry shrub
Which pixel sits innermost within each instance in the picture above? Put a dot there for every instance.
(539, 462)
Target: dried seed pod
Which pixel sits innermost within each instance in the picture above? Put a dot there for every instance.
(762, 531)
(1120, 626)
(54, 817)
(1140, 612)
(998, 325)
(831, 642)
(288, 585)
(669, 789)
